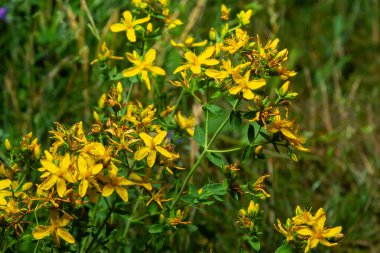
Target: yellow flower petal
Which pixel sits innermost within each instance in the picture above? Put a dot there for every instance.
(156, 70)
(141, 21)
(83, 186)
(180, 68)
(235, 90)
(107, 190)
(49, 166)
(248, 94)
(118, 27)
(145, 77)
(331, 232)
(65, 235)
(65, 163)
(131, 72)
(141, 153)
(123, 193)
(41, 232)
(256, 84)
(61, 187)
(48, 183)
(210, 62)
(5, 183)
(150, 56)
(96, 168)
(131, 35)
(207, 53)
(146, 138)
(159, 137)
(127, 16)
(151, 157)
(196, 69)
(163, 151)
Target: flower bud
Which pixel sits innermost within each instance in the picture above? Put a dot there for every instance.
(37, 152)
(253, 208)
(149, 28)
(7, 144)
(259, 150)
(212, 34)
(102, 100)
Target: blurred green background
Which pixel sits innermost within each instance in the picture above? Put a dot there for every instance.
(334, 45)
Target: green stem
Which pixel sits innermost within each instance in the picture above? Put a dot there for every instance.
(129, 92)
(130, 217)
(200, 158)
(225, 150)
(91, 222)
(110, 210)
(176, 105)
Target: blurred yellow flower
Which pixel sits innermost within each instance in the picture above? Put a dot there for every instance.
(244, 17)
(232, 45)
(54, 174)
(225, 12)
(152, 146)
(195, 62)
(142, 67)
(184, 123)
(127, 24)
(188, 42)
(55, 228)
(105, 55)
(246, 86)
(319, 234)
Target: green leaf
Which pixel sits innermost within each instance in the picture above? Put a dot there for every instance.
(284, 249)
(216, 159)
(212, 108)
(156, 228)
(251, 134)
(235, 119)
(199, 136)
(255, 243)
(247, 153)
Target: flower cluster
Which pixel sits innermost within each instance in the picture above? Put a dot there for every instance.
(132, 164)
(306, 230)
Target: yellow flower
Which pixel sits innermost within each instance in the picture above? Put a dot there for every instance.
(195, 62)
(152, 146)
(116, 183)
(7, 144)
(319, 234)
(139, 4)
(185, 123)
(232, 45)
(87, 172)
(259, 187)
(4, 184)
(225, 12)
(304, 217)
(170, 21)
(288, 130)
(185, 81)
(158, 198)
(189, 42)
(244, 17)
(287, 231)
(56, 174)
(55, 228)
(142, 67)
(127, 24)
(246, 86)
(253, 208)
(226, 71)
(105, 55)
